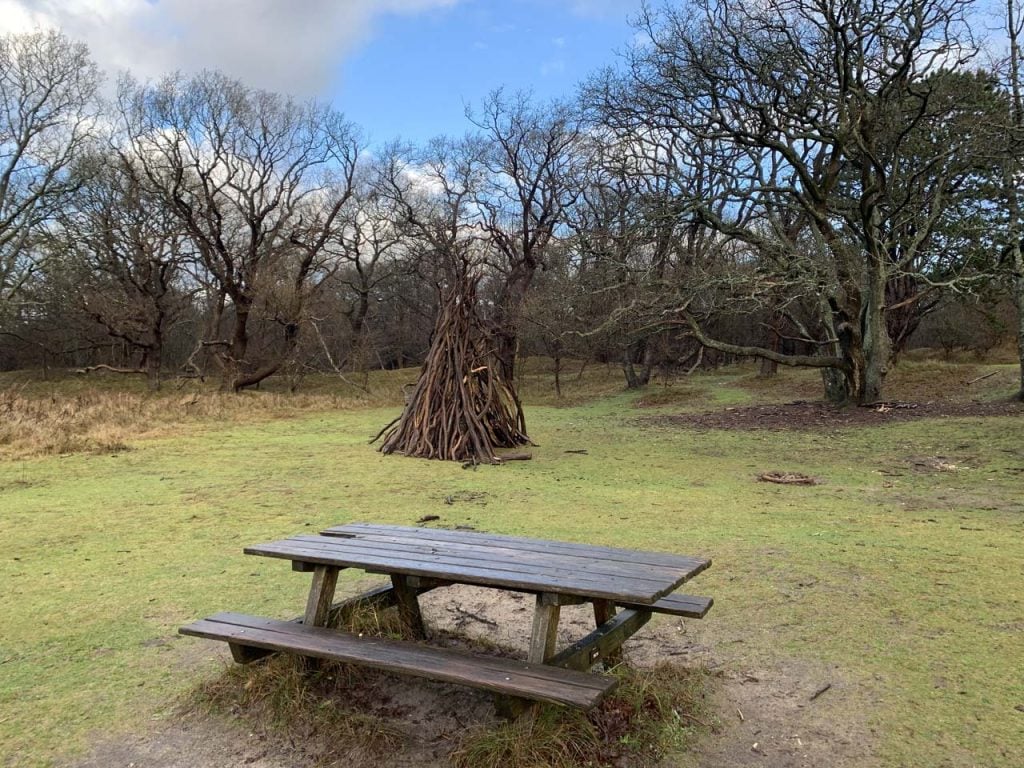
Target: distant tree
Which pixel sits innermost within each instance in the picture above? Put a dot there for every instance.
(530, 159)
(848, 150)
(1013, 173)
(129, 256)
(370, 243)
(48, 120)
(257, 182)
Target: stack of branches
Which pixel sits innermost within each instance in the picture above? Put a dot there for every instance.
(460, 409)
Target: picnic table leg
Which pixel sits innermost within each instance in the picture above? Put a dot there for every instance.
(545, 629)
(318, 604)
(408, 606)
(321, 595)
(604, 611)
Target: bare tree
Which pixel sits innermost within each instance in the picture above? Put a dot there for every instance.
(847, 150)
(1013, 174)
(257, 181)
(528, 153)
(129, 254)
(369, 244)
(47, 119)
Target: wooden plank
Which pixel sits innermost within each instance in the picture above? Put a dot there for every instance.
(378, 598)
(521, 542)
(545, 630)
(464, 554)
(604, 611)
(602, 642)
(272, 625)
(507, 676)
(411, 547)
(243, 654)
(689, 606)
(505, 549)
(452, 569)
(408, 606)
(321, 596)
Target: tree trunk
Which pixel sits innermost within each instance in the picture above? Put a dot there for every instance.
(769, 368)
(1019, 295)
(234, 358)
(153, 364)
(1010, 177)
(837, 386)
(876, 347)
(506, 331)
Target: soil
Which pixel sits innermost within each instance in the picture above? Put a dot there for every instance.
(767, 717)
(807, 415)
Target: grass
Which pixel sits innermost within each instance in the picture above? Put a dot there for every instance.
(284, 697)
(905, 579)
(652, 711)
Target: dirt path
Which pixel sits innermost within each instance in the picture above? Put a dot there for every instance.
(768, 717)
(807, 415)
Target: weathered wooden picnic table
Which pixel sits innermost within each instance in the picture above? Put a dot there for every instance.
(625, 587)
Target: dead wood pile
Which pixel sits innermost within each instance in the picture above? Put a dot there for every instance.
(460, 408)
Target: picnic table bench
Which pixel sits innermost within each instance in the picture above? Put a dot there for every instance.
(625, 587)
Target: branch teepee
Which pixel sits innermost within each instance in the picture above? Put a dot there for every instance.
(460, 409)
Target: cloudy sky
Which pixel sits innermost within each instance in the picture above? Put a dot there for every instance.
(398, 67)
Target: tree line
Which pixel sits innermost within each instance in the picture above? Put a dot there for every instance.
(802, 181)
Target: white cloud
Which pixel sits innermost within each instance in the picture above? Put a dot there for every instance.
(552, 67)
(293, 46)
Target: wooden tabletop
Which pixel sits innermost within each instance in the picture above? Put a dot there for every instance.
(466, 557)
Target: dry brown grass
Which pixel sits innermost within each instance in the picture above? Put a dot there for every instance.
(105, 414)
(98, 421)
(109, 413)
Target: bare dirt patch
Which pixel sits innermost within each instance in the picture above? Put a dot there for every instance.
(766, 717)
(806, 415)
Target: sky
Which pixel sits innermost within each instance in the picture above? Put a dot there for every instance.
(398, 68)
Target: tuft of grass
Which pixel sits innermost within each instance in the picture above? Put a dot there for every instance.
(377, 622)
(651, 712)
(286, 697)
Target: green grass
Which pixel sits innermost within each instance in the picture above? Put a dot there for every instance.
(909, 583)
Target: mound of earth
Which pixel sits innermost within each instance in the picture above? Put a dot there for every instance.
(807, 415)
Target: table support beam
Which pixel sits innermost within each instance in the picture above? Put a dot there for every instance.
(603, 642)
(545, 630)
(408, 606)
(321, 596)
(604, 611)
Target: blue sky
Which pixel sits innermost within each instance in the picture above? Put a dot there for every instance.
(415, 72)
(398, 67)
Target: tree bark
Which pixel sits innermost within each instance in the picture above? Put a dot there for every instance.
(876, 348)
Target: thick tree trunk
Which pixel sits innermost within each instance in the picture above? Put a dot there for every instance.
(628, 369)
(1018, 290)
(506, 328)
(632, 355)
(153, 364)
(876, 347)
(769, 368)
(234, 358)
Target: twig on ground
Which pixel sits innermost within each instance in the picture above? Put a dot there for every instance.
(987, 375)
(820, 691)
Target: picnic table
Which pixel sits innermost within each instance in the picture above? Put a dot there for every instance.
(626, 588)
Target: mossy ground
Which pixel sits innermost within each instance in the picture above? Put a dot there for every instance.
(907, 576)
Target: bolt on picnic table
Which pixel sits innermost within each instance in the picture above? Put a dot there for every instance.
(625, 587)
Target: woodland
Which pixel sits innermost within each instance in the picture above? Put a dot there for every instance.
(807, 182)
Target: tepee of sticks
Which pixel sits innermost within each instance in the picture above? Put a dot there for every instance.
(460, 408)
